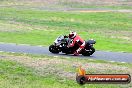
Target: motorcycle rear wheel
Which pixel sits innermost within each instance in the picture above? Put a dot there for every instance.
(90, 52)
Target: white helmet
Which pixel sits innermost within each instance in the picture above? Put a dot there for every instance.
(72, 34)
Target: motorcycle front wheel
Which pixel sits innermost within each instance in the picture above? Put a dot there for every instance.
(53, 49)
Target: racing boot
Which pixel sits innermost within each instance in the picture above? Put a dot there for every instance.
(76, 53)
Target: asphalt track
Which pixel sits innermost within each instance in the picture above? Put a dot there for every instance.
(99, 55)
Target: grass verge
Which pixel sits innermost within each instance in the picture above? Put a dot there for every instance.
(112, 31)
(23, 70)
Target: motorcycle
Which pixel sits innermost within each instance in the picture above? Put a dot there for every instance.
(61, 43)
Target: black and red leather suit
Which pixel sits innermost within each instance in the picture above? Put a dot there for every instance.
(79, 41)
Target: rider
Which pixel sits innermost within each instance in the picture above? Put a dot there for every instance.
(78, 40)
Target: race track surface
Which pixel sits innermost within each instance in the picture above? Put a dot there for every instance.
(100, 55)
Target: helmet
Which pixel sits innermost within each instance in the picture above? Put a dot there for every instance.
(72, 34)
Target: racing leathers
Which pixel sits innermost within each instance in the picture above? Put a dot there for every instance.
(79, 41)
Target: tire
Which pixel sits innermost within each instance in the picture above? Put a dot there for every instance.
(92, 50)
(52, 49)
(88, 53)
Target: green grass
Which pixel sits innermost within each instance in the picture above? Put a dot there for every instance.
(106, 20)
(112, 31)
(20, 75)
(14, 75)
